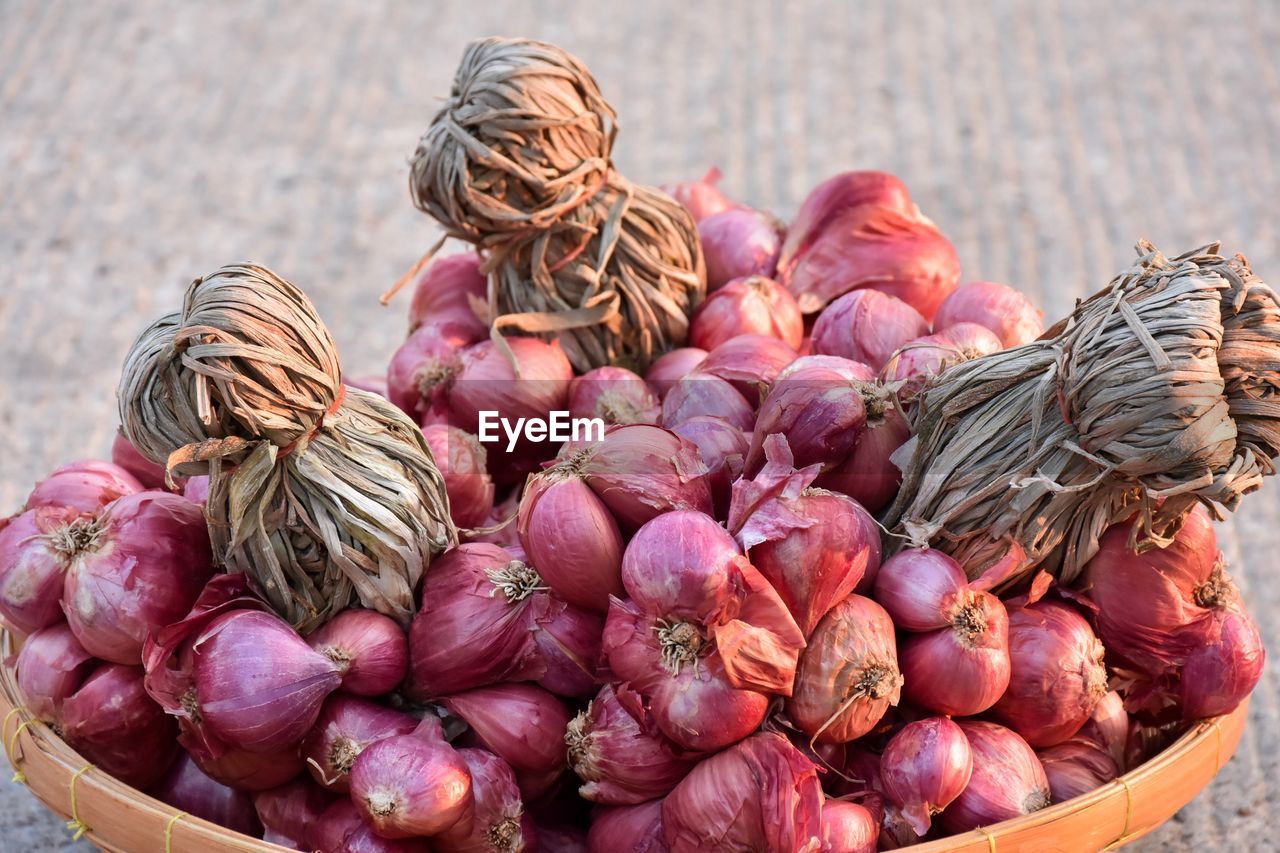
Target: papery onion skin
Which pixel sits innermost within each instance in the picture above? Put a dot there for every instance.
(702, 198)
(289, 812)
(701, 394)
(750, 363)
(919, 360)
(185, 787)
(522, 724)
(1057, 673)
(737, 243)
(918, 587)
(1108, 727)
(867, 326)
(33, 560)
(924, 767)
(407, 785)
(369, 647)
(496, 821)
(747, 306)
(903, 255)
(868, 474)
(1076, 767)
(848, 828)
(51, 665)
(341, 829)
(1013, 318)
(962, 669)
(149, 475)
(259, 685)
(422, 368)
(761, 794)
(848, 676)
(641, 471)
(135, 568)
(1008, 780)
(86, 485)
(572, 539)
(346, 726)
(112, 722)
(627, 829)
(1218, 676)
(615, 395)
(672, 366)
(837, 194)
(462, 461)
(618, 762)
(248, 771)
(568, 639)
(723, 448)
(446, 291)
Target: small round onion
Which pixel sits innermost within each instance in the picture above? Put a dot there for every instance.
(341, 829)
(670, 367)
(421, 369)
(1057, 674)
(1008, 780)
(723, 448)
(186, 788)
(112, 722)
(1076, 767)
(36, 549)
(919, 587)
(346, 726)
(751, 363)
(615, 395)
(520, 723)
(289, 812)
(370, 649)
(1219, 675)
(570, 535)
(702, 198)
(50, 667)
(496, 822)
(134, 569)
(618, 762)
(867, 326)
(463, 463)
(247, 771)
(446, 292)
(747, 306)
(409, 785)
(848, 828)
(737, 243)
(86, 485)
(149, 474)
(848, 675)
(963, 668)
(704, 395)
(919, 360)
(924, 767)
(1006, 312)
(635, 829)
(868, 474)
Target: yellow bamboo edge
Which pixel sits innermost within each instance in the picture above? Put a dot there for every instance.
(120, 819)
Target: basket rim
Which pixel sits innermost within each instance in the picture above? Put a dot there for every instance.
(21, 731)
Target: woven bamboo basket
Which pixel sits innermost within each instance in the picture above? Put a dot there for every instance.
(120, 819)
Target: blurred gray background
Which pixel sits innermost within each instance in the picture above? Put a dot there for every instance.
(145, 143)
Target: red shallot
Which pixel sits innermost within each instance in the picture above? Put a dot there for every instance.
(702, 394)
(1008, 780)
(570, 535)
(246, 771)
(924, 767)
(837, 194)
(618, 762)
(410, 785)
(848, 675)
(1013, 318)
(463, 462)
(36, 549)
(447, 291)
(341, 829)
(1076, 767)
(615, 395)
(747, 306)
(132, 570)
(186, 788)
(346, 726)
(112, 722)
(627, 829)
(919, 587)
(761, 794)
(86, 485)
(289, 812)
(723, 448)
(370, 649)
(751, 363)
(421, 369)
(848, 828)
(918, 360)
(963, 668)
(51, 665)
(867, 326)
(737, 243)
(868, 474)
(672, 366)
(702, 198)
(496, 821)
(149, 474)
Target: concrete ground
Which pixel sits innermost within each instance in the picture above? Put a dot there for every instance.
(142, 144)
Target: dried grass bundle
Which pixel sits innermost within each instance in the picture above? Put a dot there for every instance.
(323, 494)
(1160, 391)
(518, 163)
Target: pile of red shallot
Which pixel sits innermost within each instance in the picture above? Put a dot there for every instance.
(675, 634)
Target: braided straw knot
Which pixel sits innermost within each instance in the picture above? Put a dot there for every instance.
(518, 162)
(323, 494)
(1159, 392)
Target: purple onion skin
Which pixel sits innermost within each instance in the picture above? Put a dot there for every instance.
(924, 767)
(867, 326)
(737, 243)
(407, 786)
(185, 787)
(50, 667)
(1076, 767)
(341, 830)
(1008, 780)
(149, 474)
(86, 485)
(670, 367)
(634, 829)
(345, 727)
(112, 722)
(260, 686)
(138, 567)
(287, 813)
(369, 648)
(33, 563)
